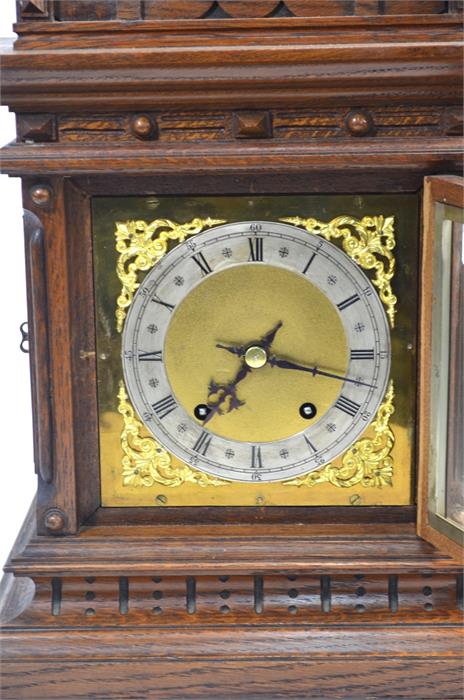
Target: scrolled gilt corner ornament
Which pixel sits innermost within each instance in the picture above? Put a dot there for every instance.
(145, 462)
(368, 462)
(140, 246)
(369, 242)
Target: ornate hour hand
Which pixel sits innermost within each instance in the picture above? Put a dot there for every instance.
(287, 364)
(265, 342)
(222, 398)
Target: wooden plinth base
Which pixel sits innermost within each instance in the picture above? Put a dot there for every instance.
(367, 657)
(240, 662)
(165, 613)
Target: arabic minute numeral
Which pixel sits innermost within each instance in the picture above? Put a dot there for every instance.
(255, 227)
(145, 291)
(256, 476)
(203, 442)
(366, 415)
(164, 406)
(256, 459)
(154, 356)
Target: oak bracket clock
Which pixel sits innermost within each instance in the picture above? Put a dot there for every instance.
(244, 234)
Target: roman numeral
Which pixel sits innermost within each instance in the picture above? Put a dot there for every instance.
(170, 307)
(347, 405)
(362, 354)
(256, 460)
(308, 264)
(203, 442)
(202, 263)
(310, 445)
(256, 249)
(165, 406)
(154, 356)
(345, 304)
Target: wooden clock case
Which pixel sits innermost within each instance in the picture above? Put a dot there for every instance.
(125, 97)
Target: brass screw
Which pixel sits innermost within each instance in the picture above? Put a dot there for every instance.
(161, 499)
(41, 195)
(355, 499)
(259, 500)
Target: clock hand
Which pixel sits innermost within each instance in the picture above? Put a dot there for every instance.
(234, 349)
(224, 391)
(286, 364)
(265, 342)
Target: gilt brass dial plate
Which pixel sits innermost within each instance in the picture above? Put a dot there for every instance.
(336, 484)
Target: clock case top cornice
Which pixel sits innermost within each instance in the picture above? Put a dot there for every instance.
(229, 63)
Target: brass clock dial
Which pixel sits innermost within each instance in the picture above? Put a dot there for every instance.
(256, 352)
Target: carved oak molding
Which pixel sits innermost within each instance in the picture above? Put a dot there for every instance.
(104, 10)
(298, 125)
(229, 599)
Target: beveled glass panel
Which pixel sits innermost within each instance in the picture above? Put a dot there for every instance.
(446, 487)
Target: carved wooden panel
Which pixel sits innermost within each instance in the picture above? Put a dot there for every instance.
(34, 9)
(280, 125)
(231, 599)
(101, 10)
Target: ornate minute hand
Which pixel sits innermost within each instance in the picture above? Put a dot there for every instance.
(286, 364)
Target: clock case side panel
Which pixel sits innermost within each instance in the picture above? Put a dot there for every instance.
(62, 353)
(447, 190)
